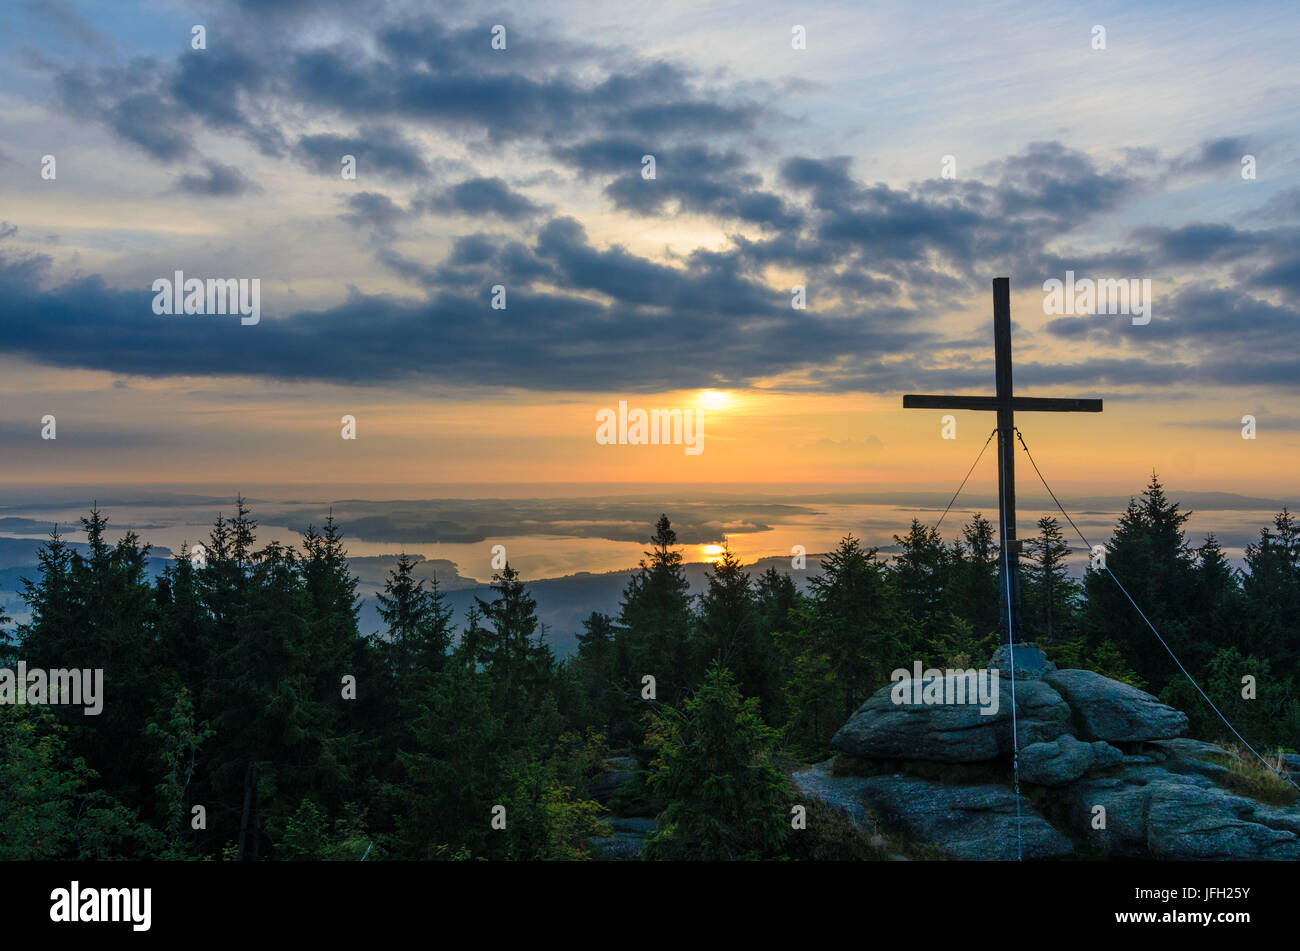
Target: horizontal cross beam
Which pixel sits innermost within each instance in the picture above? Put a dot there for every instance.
(1029, 403)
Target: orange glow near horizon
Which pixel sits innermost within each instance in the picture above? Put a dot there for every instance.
(243, 432)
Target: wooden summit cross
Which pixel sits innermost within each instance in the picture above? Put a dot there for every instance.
(1005, 405)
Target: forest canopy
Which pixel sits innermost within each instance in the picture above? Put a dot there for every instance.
(246, 716)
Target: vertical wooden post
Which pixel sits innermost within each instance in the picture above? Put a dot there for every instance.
(1009, 564)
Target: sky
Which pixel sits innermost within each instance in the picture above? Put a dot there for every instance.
(892, 166)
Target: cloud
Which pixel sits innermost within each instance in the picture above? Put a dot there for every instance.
(828, 179)
(1213, 155)
(881, 261)
(1283, 275)
(219, 181)
(877, 261)
(691, 178)
(1060, 183)
(160, 109)
(553, 341)
(1201, 243)
(375, 211)
(377, 149)
(405, 70)
(480, 197)
(1226, 336)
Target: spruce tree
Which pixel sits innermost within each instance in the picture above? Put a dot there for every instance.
(51, 601)
(519, 664)
(857, 623)
(656, 622)
(593, 667)
(1272, 591)
(1218, 603)
(418, 620)
(1150, 556)
(729, 631)
(780, 608)
(1049, 594)
(972, 592)
(724, 797)
(919, 573)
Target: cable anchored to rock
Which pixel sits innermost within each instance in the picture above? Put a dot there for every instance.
(1163, 643)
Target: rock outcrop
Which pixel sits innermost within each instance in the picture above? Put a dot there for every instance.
(966, 822)
(1153, 812)
(1116, 712)
(1103, 770)
(1064, 760)
(951, 733)
(845, 794)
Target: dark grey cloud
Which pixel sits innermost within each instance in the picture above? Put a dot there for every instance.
(1059, 183)
(787, 248)
(396, 70)
(1225, 336)
(938, 237)
(373, 210)
(1201, 243)
(149, 121)
(215, 87)
(719, 199)
(698, 326)
(711, 284)
(217, 181)
(377, 149)
(1283, 275)
(456, 81)
(472, 249)
(544, 339)
(690, 177)
(481, 197)
(598, 117)
(607, 154)
(828, 179)
(160, 108)
(476, 260)
(1213, 155)
(888, 223)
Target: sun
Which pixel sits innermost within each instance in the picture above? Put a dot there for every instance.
(714, 400)
(713, 553)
